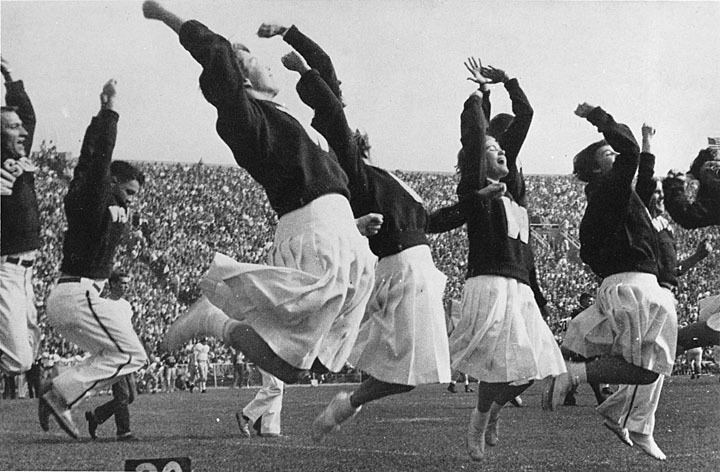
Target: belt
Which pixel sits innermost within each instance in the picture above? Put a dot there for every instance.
(20, 262)
(76, 280)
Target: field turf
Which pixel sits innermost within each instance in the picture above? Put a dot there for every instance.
(421, 430)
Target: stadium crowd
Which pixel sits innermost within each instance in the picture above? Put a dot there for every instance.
(189, 211)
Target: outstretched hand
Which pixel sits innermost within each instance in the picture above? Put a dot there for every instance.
(7, 180)
(474, 66)
(268, 30)
(369, 224)
(107, 96)
(491, 191)
(676, 174)
(5, 68)
(293, 61)
(647, 131)
(152, 10)
(584, 109)
(495, 76)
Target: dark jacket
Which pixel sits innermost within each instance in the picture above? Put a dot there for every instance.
(96, 219)
(269, 143)
(616, 233)
(20, 226)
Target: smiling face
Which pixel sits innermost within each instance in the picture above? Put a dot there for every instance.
(260, 76)
(495, 159)
(125, 192)
(604, 158)
(13, 134)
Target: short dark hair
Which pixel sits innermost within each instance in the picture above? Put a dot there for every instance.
(705, 155)
(499, 124)
(116, 275)
(8, 109)
(125, 172)
(585, 162)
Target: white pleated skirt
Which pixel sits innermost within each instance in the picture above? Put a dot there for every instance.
(501, 336)
(403, 339)
(309, 300)
(633, 318)
(709, 308)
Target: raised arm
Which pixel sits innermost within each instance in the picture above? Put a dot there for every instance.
(330, 121)
(514, 136)
(222, 80)
(91, 178)
(15, 96)
(621, 139)
(473, 127)
(313, 54)
(645, 186)
(691, 214)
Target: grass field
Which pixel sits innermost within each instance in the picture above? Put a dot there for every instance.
(421, 430)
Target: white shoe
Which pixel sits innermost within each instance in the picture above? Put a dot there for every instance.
(647, 443)
(338, 411)
(475, 439)
(556, 389)
(491, 432)
(61, 413)
(622, 433)
(196, 323)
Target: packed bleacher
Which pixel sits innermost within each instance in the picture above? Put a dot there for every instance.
(187, 212)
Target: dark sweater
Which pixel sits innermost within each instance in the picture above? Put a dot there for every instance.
(269, 143)
(94, 230)
(372, 190)
(499, 242)
(616, 233)
(667, 251)
(20, 227)
(704, 211)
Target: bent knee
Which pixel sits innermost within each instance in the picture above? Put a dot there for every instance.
(647, 377)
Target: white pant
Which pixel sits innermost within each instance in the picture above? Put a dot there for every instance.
(634, 406)
(19, 332)
(267, 404)
(99, 326)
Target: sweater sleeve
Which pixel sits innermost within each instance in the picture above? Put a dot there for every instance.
(316, 93)
(473, 126)
(698, 214)
(16, 96)
(222, 81)
(621, 139)
(315, 57)
(645, 186)
(91, 178)
(512, 140)
(445, 219)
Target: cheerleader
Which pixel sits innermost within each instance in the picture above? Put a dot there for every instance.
(501, 339)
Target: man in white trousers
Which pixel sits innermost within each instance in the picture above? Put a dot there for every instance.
(96, 207)
(263, 412)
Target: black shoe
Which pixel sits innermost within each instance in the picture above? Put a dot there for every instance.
(607, 391)
(126, 437)
(44, 411)
(451, 388)
(92, 424)
(468, 389)
(570, 400)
